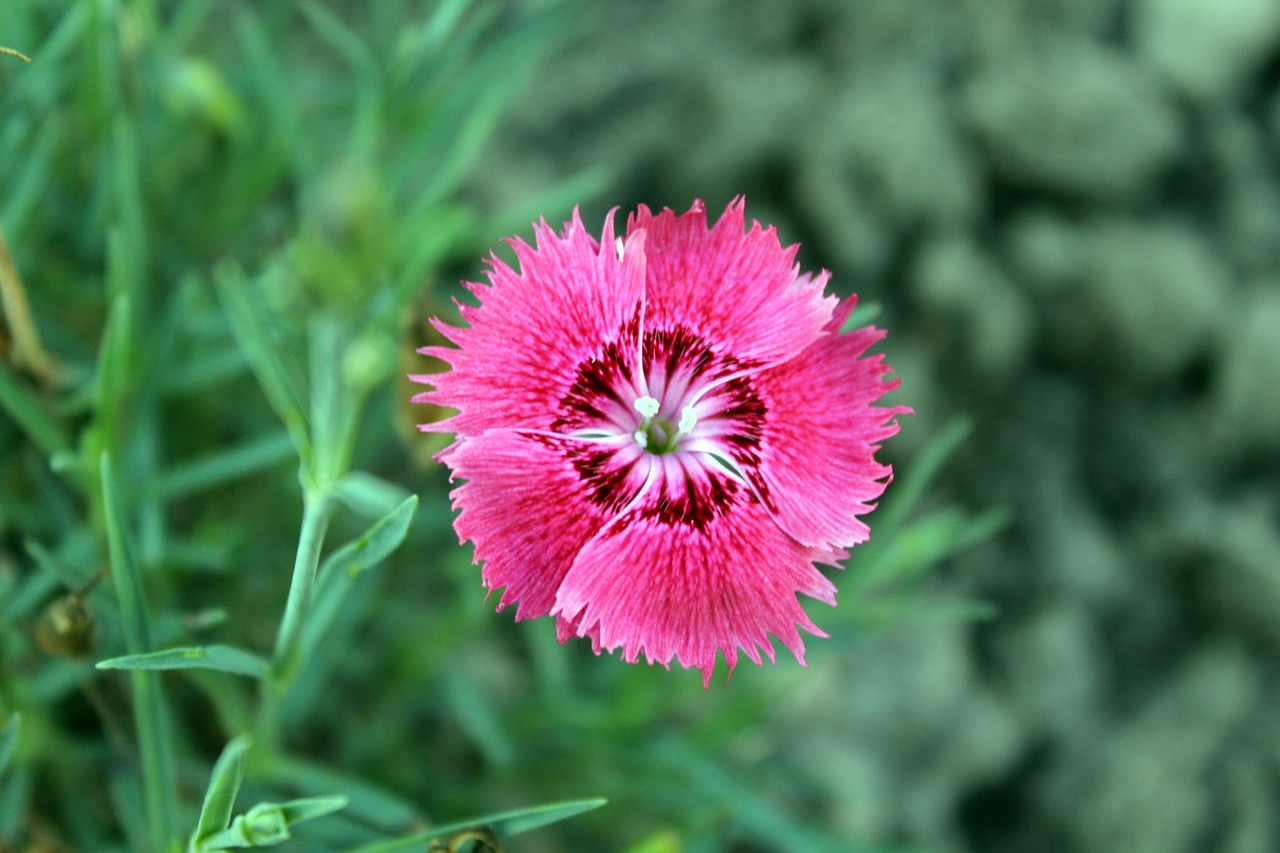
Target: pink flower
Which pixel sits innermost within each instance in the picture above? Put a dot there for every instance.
(662, 434)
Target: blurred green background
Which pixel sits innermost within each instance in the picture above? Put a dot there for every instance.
(1066, 210)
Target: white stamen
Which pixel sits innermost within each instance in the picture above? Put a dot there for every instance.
(617, 241)
(642, 438)
(647, 406)
(688, 418)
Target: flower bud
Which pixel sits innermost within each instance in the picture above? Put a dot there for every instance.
(67, 628)
(264, 825)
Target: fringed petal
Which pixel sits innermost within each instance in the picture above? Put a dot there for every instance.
(527, 512)
(821, 436)
(674, 591)
(743, 292)
(515, 360)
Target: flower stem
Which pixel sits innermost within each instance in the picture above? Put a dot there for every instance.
(317, 506)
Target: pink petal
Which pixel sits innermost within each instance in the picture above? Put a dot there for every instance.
(527, 511)
(821, 435)
(675, 591)
(742, 292)
(516, 359)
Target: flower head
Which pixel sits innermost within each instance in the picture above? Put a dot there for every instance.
(662, 434)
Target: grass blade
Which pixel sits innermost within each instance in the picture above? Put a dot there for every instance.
(15, 800)
(225, 466)
(370, 804)
(9, 740)
(340, 37)
(755, 814)
(111, 389)
(29, 413)
(220, 658)
(283, 389)
(921, 544)
(908, 490)
(153, 735)
(125, 574)
(505, 824)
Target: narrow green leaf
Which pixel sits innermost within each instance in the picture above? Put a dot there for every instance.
(421, 248)
(203, 371)
(248, 319)
(505, 824)
(340, 37)
(443, 22)
(189, 22)
(268, 824)
(556, 201)
(220, 798)
(224, 466)
(26, 188)
(9, 740)
(863, 315)
(203, 620)
(115, 358)
(332, 409)
(456, 134)
(29, 413)
(280, 106)
(127, 261)
(58, 568)
(125, 574)
(342, 567)
(129, 805)
(906, 492)
(310, 808)
(153, 735)
(369, 496)
(32, 592)
(370, 803)
(218, 657)
(15, 800)
(921, 544)
(911, 609)
(477, 718)
(66, 38)
(752, 812)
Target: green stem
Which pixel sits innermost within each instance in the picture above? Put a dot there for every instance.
(316, 508)
(158, 775)
(157, 758)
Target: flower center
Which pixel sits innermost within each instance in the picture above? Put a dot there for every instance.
(678, 441)
(656, 434)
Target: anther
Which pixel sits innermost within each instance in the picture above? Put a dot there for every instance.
(687, 420)
(647, 406)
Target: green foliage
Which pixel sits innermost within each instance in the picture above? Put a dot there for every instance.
(322, 149)
(886, 573)
(227, 218)
(503, 825)
(219, 658)
(269, 824)
(220, 798)
(9, 739)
